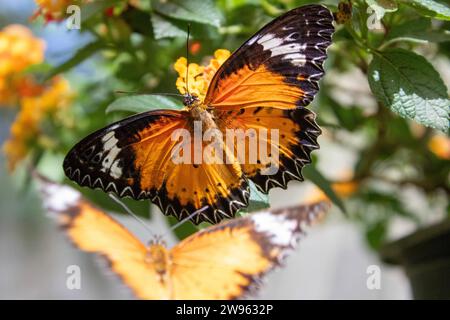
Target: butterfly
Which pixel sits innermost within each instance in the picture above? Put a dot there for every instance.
(224, 261)
(266, 83)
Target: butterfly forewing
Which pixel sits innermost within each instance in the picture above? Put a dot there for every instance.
(107, 159)
(133, 158)
(279, 66)
(265, 85)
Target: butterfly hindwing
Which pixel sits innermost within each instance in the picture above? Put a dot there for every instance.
(279, 66)
(133, 158)
(296, 137)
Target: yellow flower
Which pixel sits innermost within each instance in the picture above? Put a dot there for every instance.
(199, 77)
(26, 128)
(19, 49)
(440, 146)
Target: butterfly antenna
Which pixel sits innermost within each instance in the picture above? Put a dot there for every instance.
(189, 217)
(187, 57)
(125, 207)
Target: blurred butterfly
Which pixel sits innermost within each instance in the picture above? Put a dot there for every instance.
(225, 261)
(266, 83)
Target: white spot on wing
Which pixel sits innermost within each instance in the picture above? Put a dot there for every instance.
(280, 229)
(108, 136)
(268, 41)
(109, 159)
(115, 170)
(297, 59)
(110, 163)
(110, 143)
(290, 51)
(251, 41)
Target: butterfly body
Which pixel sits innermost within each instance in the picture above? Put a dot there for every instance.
(261, 90)
(158, 257)
(201, 113)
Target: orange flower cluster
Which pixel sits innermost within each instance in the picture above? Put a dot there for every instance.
(199, 77)
(19, 49)
(26, 128)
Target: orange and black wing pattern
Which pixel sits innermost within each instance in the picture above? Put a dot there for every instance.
(283, 138)
(225, 261)
(133, 157)
(279, 66)
(266, 84)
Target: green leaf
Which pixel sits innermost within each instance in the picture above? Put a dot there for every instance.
(258, 200)
(376, 234)
(167, 28)
(201, 11)
(143, 103)
(138, 20)
(183, 231)
(311, 173)
(430, 8)
(81, 55)
(410, 86)
(381, 7)
(417, 30)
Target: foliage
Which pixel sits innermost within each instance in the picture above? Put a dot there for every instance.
(135, 43)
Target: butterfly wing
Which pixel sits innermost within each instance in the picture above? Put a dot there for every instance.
(226, 261)
(133, 157)
(265, 84)
(279, 66)
(93, 231)
(283, 138)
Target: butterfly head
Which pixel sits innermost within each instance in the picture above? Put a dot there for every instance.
(157, 240)
(190, 100)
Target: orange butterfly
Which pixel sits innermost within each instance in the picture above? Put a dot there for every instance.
(265, 84)
(225, 261)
